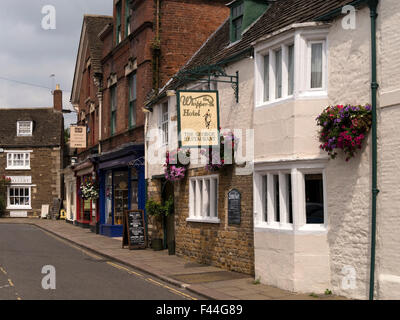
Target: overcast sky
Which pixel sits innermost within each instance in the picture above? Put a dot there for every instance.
(30, 54)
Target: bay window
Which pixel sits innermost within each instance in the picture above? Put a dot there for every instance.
(291, 67)
(290, 198)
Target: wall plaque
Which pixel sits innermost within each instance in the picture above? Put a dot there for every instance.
(234, 206)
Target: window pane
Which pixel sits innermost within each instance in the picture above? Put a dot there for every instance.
(265, 182)
(290, 69)
(237, 28)
(215, 191)
(289, 193)
(316, 65)
(266, 78)
(314, 198)
(278, 74)
(132, 89)
(132, 106)
(277, 204)
(164, 122)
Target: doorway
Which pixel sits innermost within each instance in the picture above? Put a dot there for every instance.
(169, 221)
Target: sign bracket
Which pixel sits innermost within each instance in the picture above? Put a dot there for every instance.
(208, 74)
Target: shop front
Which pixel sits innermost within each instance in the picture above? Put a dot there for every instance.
(87, 209)
(122, 187)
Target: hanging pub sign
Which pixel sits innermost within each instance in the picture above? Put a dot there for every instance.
(77, 137)
(198, 118)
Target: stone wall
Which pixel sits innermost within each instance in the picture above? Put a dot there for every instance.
(46, 176)
(226, 246)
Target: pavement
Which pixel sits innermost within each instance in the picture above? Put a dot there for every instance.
(206, 281)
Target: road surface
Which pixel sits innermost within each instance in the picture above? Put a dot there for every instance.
(26, 249)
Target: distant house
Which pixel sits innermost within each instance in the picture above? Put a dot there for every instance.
(31, 143)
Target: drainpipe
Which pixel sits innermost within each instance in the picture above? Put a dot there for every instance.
(374, 87)
(100, 98)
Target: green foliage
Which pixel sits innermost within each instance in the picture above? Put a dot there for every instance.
(328, 292)
(3, 190)
(156, 209)
(256, 281)
(2, 205)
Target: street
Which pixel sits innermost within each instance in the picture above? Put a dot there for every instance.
(25, 250)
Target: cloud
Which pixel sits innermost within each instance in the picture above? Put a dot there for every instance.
(31, 54)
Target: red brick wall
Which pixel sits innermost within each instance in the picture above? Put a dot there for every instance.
(185, 26)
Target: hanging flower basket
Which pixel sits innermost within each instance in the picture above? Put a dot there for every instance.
(89, 190)
(174, 167)
(216, 157)
(345, 128)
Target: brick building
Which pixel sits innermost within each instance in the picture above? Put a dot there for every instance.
(31, 146)
(133, 55)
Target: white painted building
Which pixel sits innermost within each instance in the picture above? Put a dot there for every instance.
(312, 215)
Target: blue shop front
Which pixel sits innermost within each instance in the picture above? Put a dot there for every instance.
(122, 186)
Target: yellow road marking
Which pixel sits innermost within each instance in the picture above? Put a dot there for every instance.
(171, 289)
(123, 268)
(2, 270)
(11, 283)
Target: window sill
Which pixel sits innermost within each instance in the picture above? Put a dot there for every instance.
(204, 220)
(289, 228)
(18, 168)
(313, 227)
(275, 226)
(275, 102)
(19, 208)
(313, 94)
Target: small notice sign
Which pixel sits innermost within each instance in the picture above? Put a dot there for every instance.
(198, 118)
(77, 137)
(134, 235)
(234, 206)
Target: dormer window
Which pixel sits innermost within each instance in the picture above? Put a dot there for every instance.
(24, 128)
(243, 14)
(237, 20)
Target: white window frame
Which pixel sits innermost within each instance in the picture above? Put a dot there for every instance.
(164, 123)
(197, 199)
(301, 39)
(14, 152)
(19, 207)
(324, 70)
(297, 169)
(19, 134)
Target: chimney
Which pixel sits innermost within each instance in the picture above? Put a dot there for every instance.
(57, 99)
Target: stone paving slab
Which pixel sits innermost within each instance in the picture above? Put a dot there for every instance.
(171, 269)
